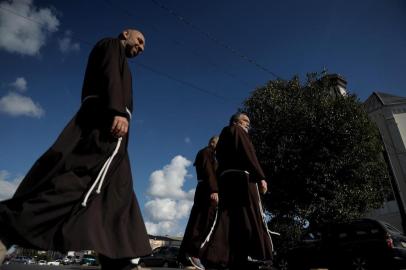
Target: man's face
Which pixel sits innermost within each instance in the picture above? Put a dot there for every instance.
(244, 122)
(135, 43)
(213, 143)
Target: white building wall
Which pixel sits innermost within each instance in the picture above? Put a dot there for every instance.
(391, 122)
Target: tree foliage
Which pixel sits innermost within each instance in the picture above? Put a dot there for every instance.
(320, 152)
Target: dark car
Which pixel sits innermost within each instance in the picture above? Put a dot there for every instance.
(165, 256)
(89, 260)
(21, 260)
(360, 244)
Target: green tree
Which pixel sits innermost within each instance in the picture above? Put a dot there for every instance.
(320, 152)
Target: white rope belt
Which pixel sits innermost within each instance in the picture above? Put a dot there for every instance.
(89, 97)
(233, 170)
(102, 173)
(269, 232)
(211, 230)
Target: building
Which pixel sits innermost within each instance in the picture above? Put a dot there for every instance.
(388, 112)
(159, 241)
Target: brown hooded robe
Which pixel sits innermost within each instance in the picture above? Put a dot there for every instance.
(203, 211)
(240, 230)
(46, 211)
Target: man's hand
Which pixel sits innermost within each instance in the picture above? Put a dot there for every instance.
(119, 128)
(263, 187)
(214, 197)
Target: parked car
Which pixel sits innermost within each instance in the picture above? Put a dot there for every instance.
(56, 262)
(68, 260)
(166, 256)
(42, 262)
(89, 260)
(360, 244)
(21, 260)
(77, 259)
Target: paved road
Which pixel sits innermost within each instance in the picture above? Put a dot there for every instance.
(62, 267)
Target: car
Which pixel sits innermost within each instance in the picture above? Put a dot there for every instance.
(89, 260)
(42, 262)
(165, 256)
(77, 259)
(21, 260)
(360, 244)
(67, 260)
(56, 262)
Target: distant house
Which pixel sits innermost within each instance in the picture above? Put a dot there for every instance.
(159, 241)
(388, 112)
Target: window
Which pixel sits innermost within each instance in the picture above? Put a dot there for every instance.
(391, 228)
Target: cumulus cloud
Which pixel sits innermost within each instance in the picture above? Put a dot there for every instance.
(25, 27)
(169, 203)
(162, 228)
(20, 84)
(168, 182)
(66, 44)
(8, 185)
(167, 209)
(15, 104)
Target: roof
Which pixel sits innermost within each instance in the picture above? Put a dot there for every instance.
(165, 238)
(378, 100)
(388, 99)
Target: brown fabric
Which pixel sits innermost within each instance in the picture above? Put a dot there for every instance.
(46, 212)
(203, 211)
(240, 231)
(107, 70)
(206, 165)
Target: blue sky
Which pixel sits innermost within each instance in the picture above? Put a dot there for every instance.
(364, 41)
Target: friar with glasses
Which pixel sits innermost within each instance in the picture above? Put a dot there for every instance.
(79, 194)
(204, 207)
(240, 237)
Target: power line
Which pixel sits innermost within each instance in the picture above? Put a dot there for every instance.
(170, 77)
(178, 43)
(214, 39)
(198, 88)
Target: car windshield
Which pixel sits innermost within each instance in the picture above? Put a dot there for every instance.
(157, 250)
(391, 228)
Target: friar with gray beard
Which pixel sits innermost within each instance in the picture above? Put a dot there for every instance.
(240, 235)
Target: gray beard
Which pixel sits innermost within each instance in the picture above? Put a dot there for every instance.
(244, 128)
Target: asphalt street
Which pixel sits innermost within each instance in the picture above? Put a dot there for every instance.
(62, 267)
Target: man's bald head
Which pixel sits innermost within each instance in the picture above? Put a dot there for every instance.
(133, 41)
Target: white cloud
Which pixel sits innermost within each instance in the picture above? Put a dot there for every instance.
(15, 104)
(168, 182)
(162, 228)
(8, 186)
(20, 84)
(66, 45)
(167, 209)
(25, 27)
(169, 203)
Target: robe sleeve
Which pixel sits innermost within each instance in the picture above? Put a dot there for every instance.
(210, 171)
(111, 67)
(246, 151)
(205, 163)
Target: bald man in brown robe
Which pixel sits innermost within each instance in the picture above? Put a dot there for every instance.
(241, 236)
(79, 194)
(204, 207)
